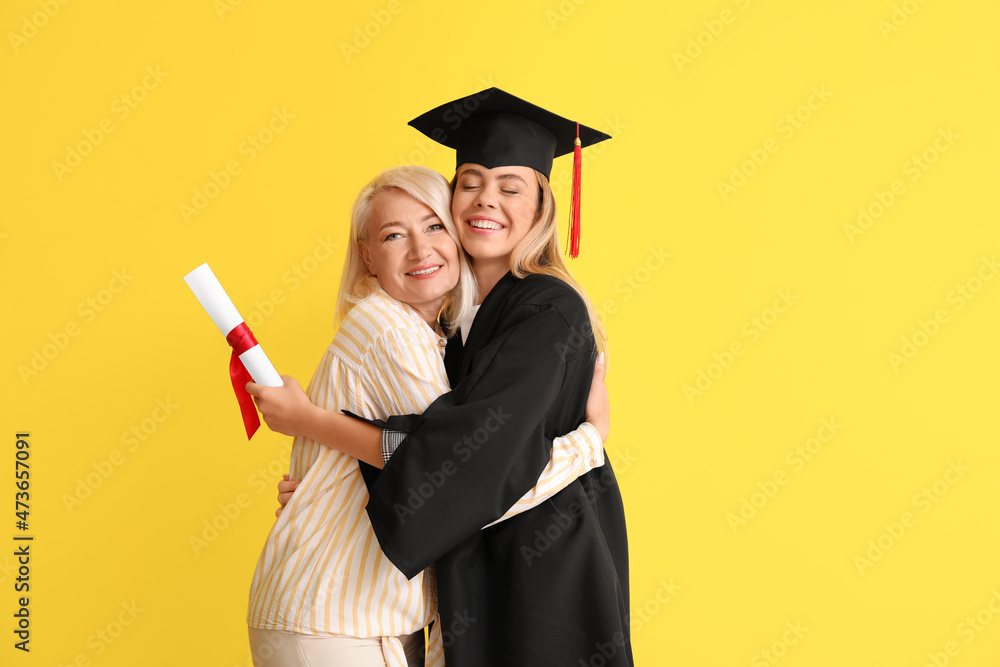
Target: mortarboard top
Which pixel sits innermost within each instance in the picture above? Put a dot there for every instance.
(496, 129)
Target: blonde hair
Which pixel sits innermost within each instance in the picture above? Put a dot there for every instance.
(538, 252)
(431, 189)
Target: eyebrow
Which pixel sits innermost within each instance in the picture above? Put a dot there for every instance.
(510, 177)
(396, 223)
(502, 177)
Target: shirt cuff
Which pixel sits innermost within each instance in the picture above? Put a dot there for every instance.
(592, 448)
(391, 440)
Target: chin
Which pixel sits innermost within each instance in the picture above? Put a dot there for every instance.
(485, 248)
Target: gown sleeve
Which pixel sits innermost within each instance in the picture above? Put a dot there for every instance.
(573, 454)
(477, 450)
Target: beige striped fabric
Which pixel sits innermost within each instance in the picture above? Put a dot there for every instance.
(321, 570)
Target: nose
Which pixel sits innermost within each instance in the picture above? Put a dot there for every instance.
(487, 197)
(418, 248)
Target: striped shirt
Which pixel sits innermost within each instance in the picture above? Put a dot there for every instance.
(321, 571)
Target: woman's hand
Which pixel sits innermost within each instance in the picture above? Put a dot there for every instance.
(598, 411)
(285, 489)
(285, 409)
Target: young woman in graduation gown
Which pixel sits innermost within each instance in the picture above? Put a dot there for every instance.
(550, 585)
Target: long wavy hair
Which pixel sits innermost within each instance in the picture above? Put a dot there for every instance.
(431, 189)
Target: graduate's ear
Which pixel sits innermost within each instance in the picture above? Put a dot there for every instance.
(366, 257)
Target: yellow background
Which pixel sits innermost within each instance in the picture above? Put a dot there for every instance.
(894, 76)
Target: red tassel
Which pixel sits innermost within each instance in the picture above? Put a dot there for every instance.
(574, 211)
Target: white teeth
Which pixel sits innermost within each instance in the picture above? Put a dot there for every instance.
(423, 272)
(485, 224)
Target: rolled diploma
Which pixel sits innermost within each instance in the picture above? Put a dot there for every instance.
(220, 308)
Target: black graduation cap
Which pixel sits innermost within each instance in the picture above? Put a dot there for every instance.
(496, 129)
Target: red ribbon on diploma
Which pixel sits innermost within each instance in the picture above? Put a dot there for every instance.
(241, 339)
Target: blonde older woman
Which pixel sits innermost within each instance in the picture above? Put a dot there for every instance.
(323, 591)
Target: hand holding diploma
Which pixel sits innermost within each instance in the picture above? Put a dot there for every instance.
(285, 409)
(248, 359)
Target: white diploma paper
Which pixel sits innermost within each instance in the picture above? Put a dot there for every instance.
(220, 308)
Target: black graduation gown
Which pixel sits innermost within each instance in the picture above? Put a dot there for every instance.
(548, 586)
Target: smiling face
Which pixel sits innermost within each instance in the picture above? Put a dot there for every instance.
(410, 252)
(493, 209)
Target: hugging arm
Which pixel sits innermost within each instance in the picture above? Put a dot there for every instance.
(477, 450)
